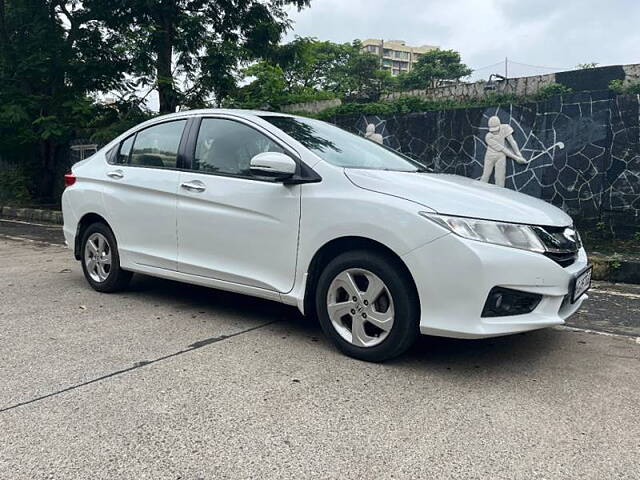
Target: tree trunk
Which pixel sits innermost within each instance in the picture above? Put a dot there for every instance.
(166, 87)
(4, 40)
(46, 176)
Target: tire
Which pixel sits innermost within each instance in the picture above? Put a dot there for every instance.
(398, 303)
(102, 276)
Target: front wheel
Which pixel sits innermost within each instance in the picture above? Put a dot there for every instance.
(100, 260)
(367, 305)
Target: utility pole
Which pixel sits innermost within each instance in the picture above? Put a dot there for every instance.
(506, 70)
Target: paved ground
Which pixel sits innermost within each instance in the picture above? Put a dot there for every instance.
(175, 381)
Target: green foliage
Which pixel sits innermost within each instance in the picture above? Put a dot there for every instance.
(633, 89)
(616, 261)
(51, 57)
(57, 57)
(618, 87)
(551, 90)
(411, 104)
(110, 120)
(13, 187)
(202, 43)
(268, 85)
(307, 69)
(268, 90)
(433, 69)
(586, 66)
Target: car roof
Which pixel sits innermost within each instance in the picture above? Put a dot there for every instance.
(229, 111)
(184, 114)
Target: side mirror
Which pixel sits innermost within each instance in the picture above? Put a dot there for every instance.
(273, 164)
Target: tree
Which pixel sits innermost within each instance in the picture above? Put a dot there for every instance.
(307, 67)
(266, 88)
(434, 68)
(360, 77)
(51, 59)
(188, 49)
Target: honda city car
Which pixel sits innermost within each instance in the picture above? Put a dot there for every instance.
(302, 212)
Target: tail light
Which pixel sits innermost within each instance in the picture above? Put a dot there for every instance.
(69, 179)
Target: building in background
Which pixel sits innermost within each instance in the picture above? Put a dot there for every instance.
(395, 55)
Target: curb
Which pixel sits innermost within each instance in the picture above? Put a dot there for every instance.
(615, 268)
(32, 214)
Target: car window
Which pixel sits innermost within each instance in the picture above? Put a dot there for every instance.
(227, 147)
(342, 148)
(125, 150)
(157, 146)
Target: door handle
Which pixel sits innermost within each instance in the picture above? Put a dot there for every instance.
(194, 186)
(117, 174)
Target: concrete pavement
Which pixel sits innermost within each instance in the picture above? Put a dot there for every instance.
(176, 381)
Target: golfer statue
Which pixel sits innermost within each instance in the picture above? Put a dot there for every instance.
(495, 160)
(372, 135)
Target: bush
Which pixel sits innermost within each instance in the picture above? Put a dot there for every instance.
(618, 87)
(276, 102)
(551, 90)
(305, 97)
(412, 104)
(13, 187)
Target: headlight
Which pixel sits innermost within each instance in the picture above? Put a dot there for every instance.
(507, 234)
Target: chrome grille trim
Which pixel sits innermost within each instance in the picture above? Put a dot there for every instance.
(561, 243)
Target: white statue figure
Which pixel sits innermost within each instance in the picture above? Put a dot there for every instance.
(495, 160)
(372, 135)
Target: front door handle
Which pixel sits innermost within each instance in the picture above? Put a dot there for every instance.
(194, 186)
(117, 174)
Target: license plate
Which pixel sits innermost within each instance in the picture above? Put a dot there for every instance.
(581, 284)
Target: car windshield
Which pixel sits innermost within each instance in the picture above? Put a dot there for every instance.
(340, 147)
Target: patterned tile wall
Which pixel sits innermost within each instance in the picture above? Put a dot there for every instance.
(595, 177)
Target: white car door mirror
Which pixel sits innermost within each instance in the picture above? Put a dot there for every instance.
(273, 164)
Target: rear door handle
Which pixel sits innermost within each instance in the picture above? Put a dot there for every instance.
(194, 186)
(117, 174)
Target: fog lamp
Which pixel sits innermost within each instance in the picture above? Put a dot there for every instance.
(502, 302)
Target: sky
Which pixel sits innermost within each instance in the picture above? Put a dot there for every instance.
(555, 34)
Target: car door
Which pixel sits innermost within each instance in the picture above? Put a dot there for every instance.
(232, 225)
(140, 195)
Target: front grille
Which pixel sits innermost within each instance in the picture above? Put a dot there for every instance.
(562, 259)
(561, 246)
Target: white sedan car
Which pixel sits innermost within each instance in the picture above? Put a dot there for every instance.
(301, 212)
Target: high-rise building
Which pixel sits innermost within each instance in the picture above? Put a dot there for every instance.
(395, 55)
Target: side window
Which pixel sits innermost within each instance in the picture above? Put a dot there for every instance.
(125, 150)
(157, 146)
(227, 146)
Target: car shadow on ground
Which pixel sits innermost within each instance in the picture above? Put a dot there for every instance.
(519, 351)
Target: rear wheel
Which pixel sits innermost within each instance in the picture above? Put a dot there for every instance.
(367, 305)
(100, 260)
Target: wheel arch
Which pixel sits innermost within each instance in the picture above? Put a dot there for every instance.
(86, 220)
(339, 245)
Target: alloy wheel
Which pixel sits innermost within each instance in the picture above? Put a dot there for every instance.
(97, 257)
(360, 307)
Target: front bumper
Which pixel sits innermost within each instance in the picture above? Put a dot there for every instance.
(454, 276)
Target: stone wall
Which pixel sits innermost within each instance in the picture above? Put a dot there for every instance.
(578, 80)
(313, 106)
(595, 177)
(466, 91)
